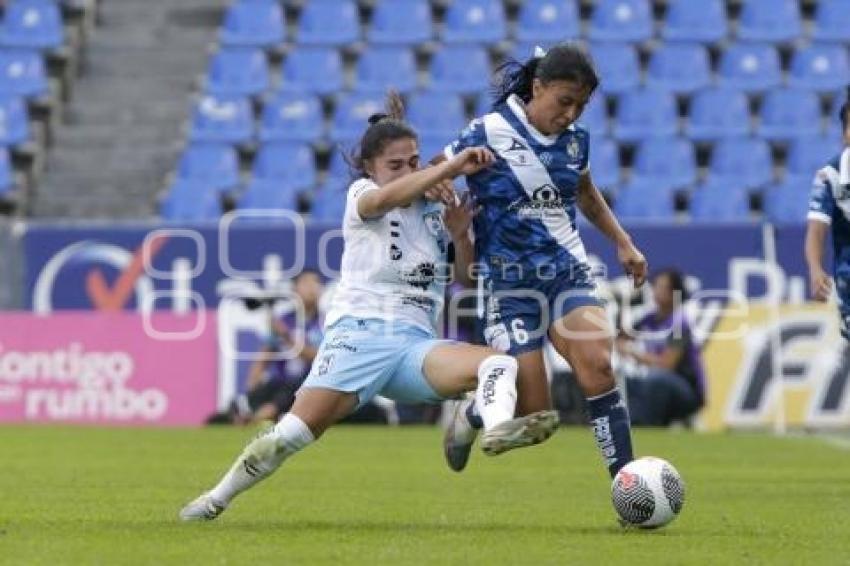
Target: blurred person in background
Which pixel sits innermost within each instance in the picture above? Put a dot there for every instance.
(272, 381)
(673, 387)
(829, 205)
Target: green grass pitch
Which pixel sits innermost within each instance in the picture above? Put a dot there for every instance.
(383, 496)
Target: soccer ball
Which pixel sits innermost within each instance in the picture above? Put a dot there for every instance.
(648, 492)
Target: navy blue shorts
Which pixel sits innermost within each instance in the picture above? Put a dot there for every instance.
(519, 313)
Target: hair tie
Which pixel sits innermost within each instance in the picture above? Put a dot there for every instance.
(377, 117)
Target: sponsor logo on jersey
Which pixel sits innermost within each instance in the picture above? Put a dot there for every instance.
(420, 276)
(545, 201)
(395, 252)
(517, 145)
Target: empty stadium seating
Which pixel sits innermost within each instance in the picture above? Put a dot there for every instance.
(752, 82)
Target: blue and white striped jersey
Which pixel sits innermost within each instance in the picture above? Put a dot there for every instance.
(829, 202)
(528, 197)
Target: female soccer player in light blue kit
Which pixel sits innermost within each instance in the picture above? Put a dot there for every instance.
(380, 330)
(537, 278)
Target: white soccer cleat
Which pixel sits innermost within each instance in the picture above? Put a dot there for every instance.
(517, 433)
(204, 508)
(459, 437)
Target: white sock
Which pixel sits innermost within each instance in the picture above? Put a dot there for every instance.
(262, 457)
(495, 397)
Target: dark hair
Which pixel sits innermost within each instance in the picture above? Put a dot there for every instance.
(563, 62)
(844, 112)
(676, 278)
(384, 127)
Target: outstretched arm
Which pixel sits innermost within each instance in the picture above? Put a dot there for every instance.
(596, 210)
(406, 189)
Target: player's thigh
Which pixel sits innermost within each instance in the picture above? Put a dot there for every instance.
(584, 338)
(320, 408)
(533, 393)
(452, 368)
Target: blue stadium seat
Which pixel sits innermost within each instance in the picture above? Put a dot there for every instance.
(215, 164)
(329, 202)
(788, 113)
(832, 21)
(268, 194)
(621, 20)
(645, 113)
(669, 161)
(238, 71)
(741, 162)
(14, 120)
(401, 22)
(22, 72)
(548, 20)
(253, 23)
(712, 202)
(431, 146)
(718, 112)
(227, 119)
(594, 118)
(679, 67)
(34, 24)
(643, 199)
(338, 166)
(522, 50)
(769, 20)
(604, 162)
(291, 163)
(384, 67)
(460, 69)
(808, 154)
(617, 65)
(705, 21)
(820, 67)
(191, 200)
(292, 116)
(483, 104)
(312, 69)
(788, 202)
(751, 67)
(436, 114)
(329, 22)
(352, 114)
(7, 174)
(475, 21)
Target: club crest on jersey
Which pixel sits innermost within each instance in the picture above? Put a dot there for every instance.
(573, 149)
(434, 223)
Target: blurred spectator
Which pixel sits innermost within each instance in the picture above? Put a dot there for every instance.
(673, 387)
(272, 381)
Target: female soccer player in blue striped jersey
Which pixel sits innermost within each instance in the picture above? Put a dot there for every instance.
(537, 277)
(380, 330)
(829, 205)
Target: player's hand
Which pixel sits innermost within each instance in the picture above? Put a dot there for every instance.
(470, 161)
(443, 192)
(633, 262)
(459, 214)
(821, 284)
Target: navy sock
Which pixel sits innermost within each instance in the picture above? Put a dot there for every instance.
(610, 420)
(473, 417)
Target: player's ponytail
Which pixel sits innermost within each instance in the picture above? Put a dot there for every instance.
(384, 127)
(563, 62)
(844, 112)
